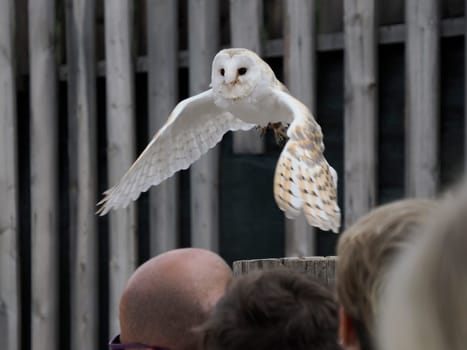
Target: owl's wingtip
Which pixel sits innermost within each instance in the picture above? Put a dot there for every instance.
(335, 230)
(102, 210)
(103, 205)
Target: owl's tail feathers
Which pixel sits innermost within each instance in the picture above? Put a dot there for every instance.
(313, 189)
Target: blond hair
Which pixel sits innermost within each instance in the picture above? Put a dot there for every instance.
(365, 251)
(425, 306)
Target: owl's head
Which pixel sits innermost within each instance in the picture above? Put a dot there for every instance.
(236, 73)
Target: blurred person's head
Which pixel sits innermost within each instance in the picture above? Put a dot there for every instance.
(365, 252)
(425, 301)
(170, 295)
(273, 310)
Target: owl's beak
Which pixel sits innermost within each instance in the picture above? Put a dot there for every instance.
(231, 84)
(230, 80)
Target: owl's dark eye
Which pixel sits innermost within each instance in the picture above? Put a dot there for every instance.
(242, 71)
(222, 71)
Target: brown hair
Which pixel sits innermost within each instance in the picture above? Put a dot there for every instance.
(272, 310)
(366, 250)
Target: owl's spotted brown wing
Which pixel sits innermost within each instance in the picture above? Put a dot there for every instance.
(303, 179)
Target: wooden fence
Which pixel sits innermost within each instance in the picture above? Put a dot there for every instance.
(62, 141)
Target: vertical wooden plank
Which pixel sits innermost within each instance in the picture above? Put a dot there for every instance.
(80, 18)
(422, 97)
(360, 28)
(245, 29)
(9, 267)
(203, 43)
(118, 21)
(44, 179)
(163, 92)
(300, 72)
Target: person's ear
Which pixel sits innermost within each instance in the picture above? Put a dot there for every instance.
(347, 336)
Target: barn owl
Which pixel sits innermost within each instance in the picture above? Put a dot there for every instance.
(244, 93)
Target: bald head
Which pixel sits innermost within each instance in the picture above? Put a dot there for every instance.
(169, 295)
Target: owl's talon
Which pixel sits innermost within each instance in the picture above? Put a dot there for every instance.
(280, 133)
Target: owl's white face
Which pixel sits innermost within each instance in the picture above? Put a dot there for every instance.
(235, 73)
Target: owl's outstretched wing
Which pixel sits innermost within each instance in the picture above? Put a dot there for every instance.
(194, 126)
(303, 179)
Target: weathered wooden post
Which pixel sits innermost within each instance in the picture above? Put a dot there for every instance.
(422, 97)
(9, 264)
(321, 268)
(162, 33)
(80, 34)
(203, 43)
(44, 175)
(121, 144)
(300, 78)
(361, 106)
